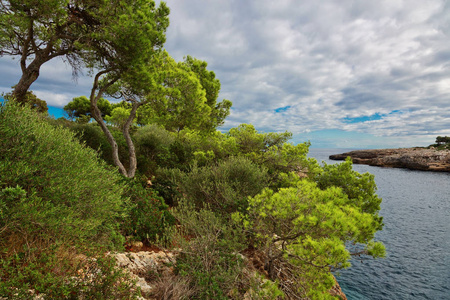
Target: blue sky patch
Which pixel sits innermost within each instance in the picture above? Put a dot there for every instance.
(282, 109)
(374, 117)
(56, 112)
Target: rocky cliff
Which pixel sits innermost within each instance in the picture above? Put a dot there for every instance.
(409, 158)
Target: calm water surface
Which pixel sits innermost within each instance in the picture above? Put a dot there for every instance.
(416, 212)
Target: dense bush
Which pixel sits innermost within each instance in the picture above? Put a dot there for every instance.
(159, 148)
(268, 150)
(250, 140)
(56, 196)
(359, 188)
(152, 148)
(30, 100)
(60, 178)
(93, 137)
(148, 217)
(209, 257)
(210, 147)
(223, 187)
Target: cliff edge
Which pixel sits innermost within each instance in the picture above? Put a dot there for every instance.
(409, 158)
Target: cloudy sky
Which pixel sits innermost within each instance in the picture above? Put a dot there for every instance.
(346, 74)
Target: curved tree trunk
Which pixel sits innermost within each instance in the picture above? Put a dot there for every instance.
(97, 115)
(20, 90)
(126, 134)
(29, 75)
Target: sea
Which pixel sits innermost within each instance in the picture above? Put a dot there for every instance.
(416, 233)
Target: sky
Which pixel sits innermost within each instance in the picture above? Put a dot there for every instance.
(340, 74)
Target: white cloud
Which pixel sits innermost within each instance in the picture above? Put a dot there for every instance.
(53, 99)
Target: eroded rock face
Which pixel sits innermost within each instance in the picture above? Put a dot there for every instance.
(337, 291)
(409, 158)
(144, 265)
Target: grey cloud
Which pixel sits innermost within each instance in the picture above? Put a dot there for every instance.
(8, 74)
(353, 99)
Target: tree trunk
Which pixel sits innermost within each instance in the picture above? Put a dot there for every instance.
(29, 75)
(97, 115)
(126, 133)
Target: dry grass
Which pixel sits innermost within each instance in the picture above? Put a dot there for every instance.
(172, 287)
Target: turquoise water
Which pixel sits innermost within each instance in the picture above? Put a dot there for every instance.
(416, 211)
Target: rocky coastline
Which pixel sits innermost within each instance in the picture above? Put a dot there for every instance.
(424, 159)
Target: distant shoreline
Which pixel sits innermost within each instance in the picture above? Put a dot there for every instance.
(422, 159)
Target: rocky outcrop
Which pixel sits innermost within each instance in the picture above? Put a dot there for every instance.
(144, 267)
(409, 158)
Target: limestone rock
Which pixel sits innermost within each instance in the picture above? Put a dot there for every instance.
(144, 265)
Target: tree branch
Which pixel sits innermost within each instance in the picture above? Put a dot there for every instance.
(25, 52)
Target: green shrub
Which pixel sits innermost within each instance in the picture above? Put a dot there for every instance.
(223, 187)
(159, 148)
(59, 187)
(148, 216)
(93, 136)
(360, 188)
(30, 100)
(213, 146)
(56, 196)
(152, 148)
(209, 258)
(165, 187)
(181, 155)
